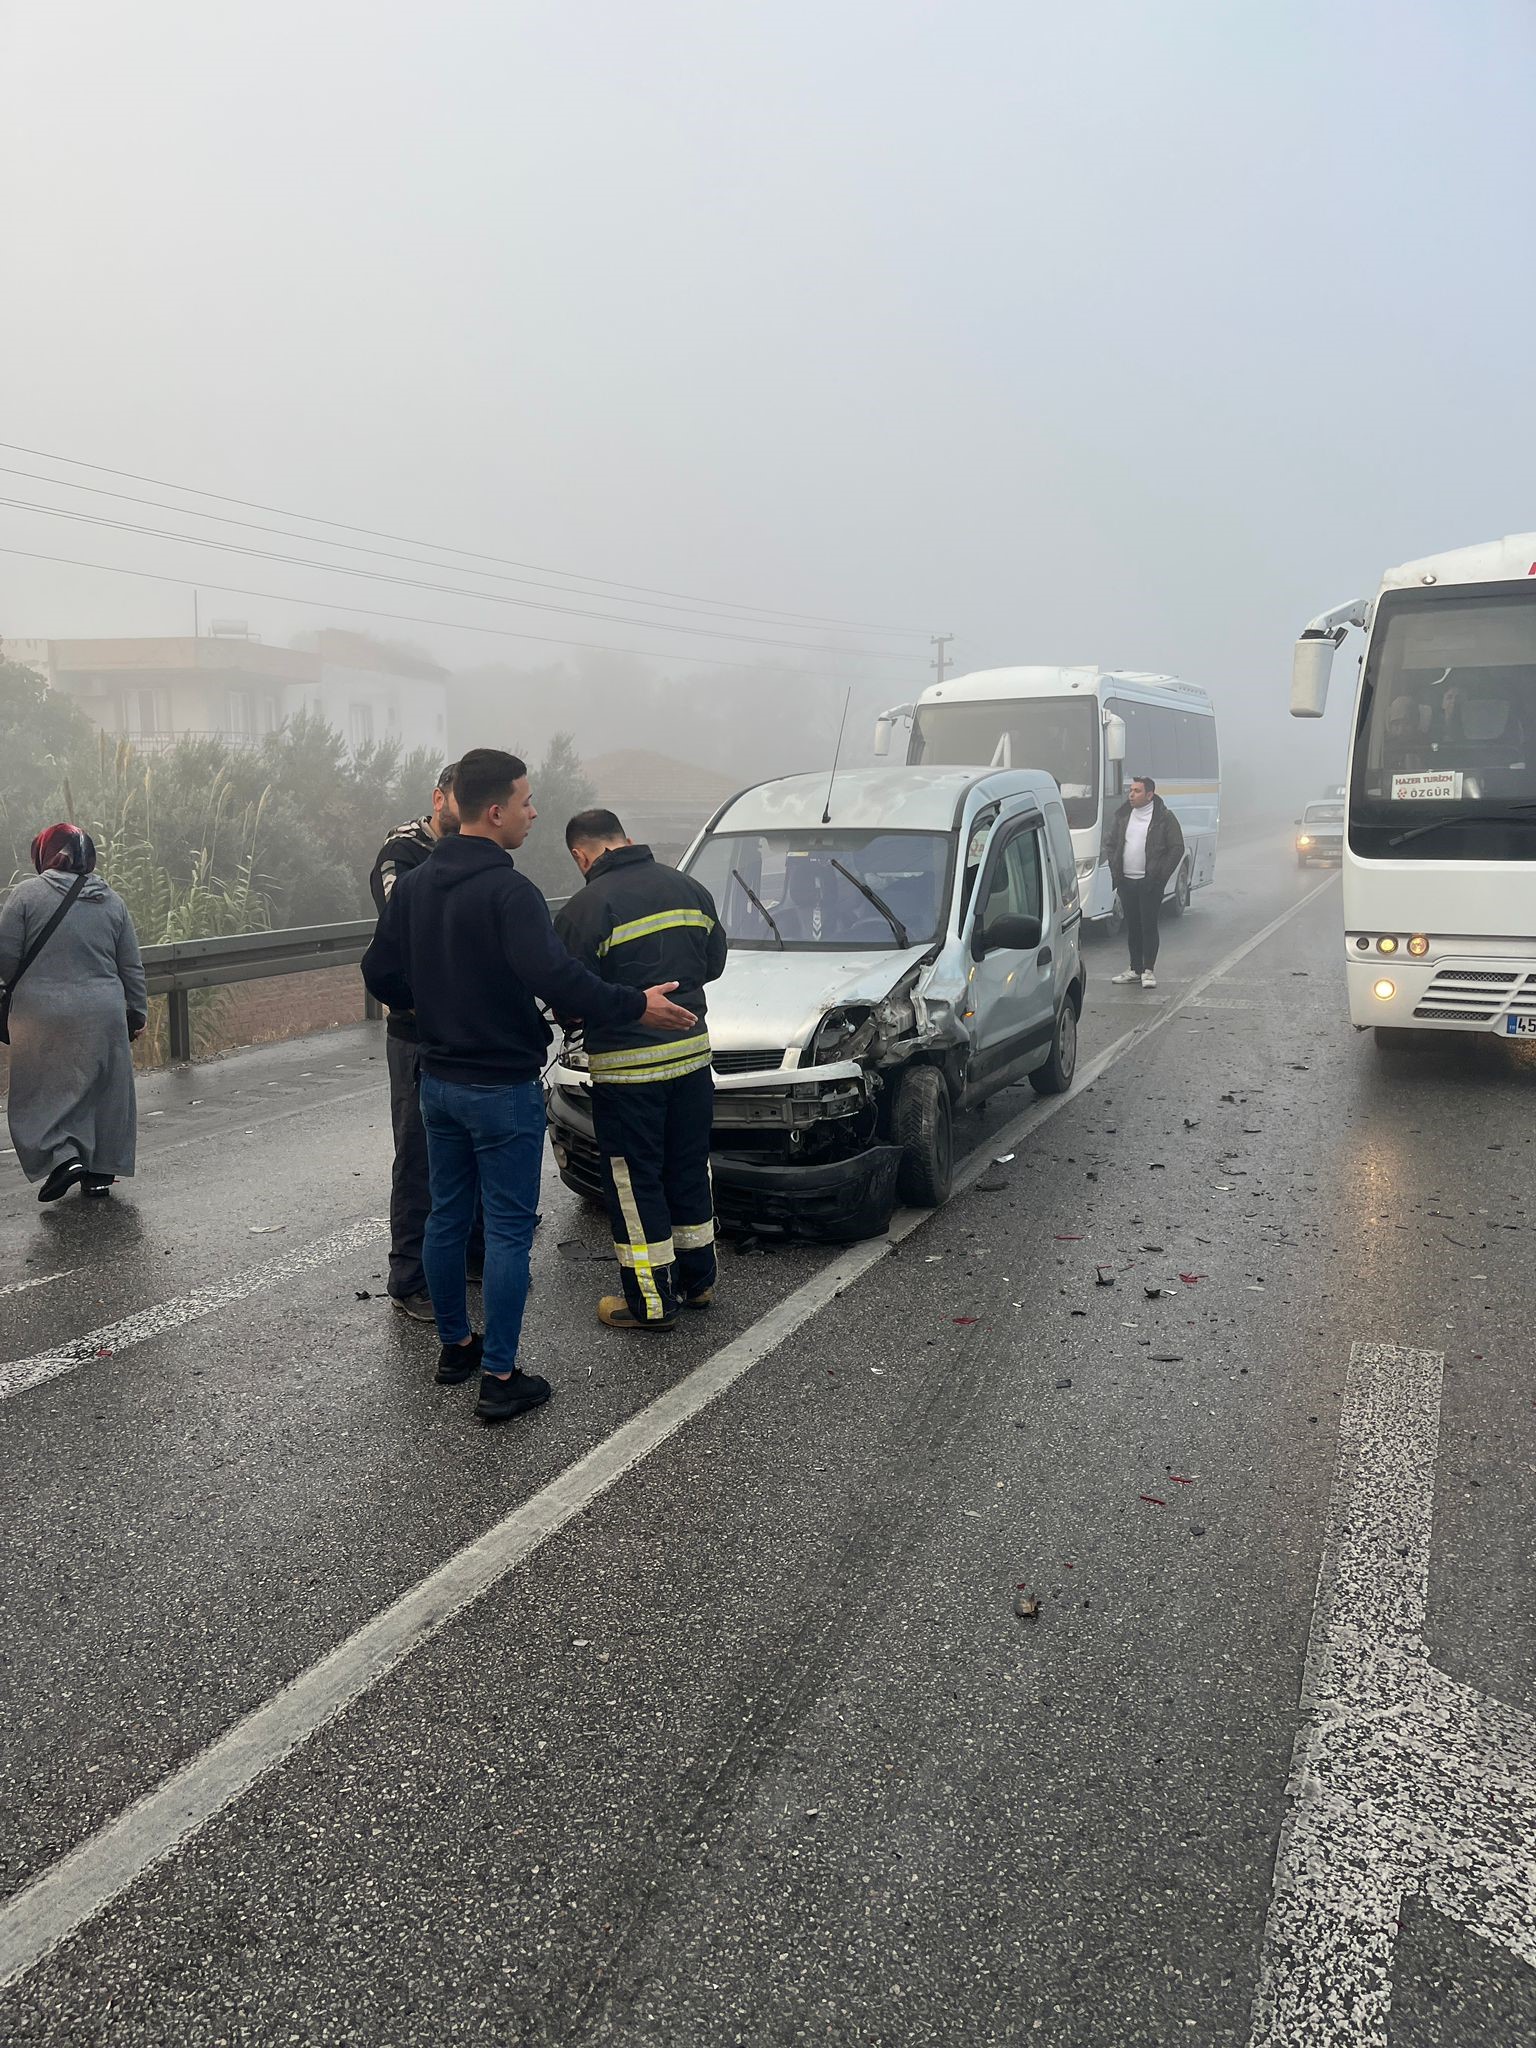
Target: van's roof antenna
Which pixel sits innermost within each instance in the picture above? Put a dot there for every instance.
(826, 815)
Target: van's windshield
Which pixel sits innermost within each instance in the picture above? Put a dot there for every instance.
(1058, 734)
(800, 888)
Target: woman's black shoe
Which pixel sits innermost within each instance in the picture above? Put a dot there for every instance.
(61, 1180)
(98, 1184)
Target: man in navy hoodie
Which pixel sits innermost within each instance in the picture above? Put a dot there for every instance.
(466, 942)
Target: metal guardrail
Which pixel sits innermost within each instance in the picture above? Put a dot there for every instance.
(174, 971)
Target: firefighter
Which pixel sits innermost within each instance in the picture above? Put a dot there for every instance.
(639, 922)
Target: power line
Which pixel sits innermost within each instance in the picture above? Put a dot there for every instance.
(411, 619)
(441, 547)
(230, 547)
(705, 608)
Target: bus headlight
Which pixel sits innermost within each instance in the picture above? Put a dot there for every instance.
(1304, 839)
(1418, 945)
(1384, 991)
(1387, 945)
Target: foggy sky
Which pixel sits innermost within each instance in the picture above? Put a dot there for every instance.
(1123, 333)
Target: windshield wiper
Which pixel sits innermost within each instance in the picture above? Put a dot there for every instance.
(884, 909)
(1520, 814)
(738, 876)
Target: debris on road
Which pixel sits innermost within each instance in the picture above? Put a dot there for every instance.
(1153, 1293)
(1178, 1481)
(1105, 1276)
(1067, 1240)
(1005, 1158)
(1026, 1605)
(965, 1321)
(363, 1294)
(1190, 1279)
(1167, 1357)
(1197, 1528)
(266, 1229)
(1062, 1385)
(1152, 1501)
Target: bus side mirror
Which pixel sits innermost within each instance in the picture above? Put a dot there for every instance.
(882, 737)
(1114, 737)
(1311, 665)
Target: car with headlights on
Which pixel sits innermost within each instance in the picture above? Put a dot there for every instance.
(904, 943)
(1320, 834)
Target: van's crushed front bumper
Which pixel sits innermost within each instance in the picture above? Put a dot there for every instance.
(796, 1156)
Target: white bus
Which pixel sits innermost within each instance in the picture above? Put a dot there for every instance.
(1440, 820)
(1093, 729)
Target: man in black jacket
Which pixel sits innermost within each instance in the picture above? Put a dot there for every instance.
(1144, 847)
(466, 942)
(652, 1104)
(410, 1197)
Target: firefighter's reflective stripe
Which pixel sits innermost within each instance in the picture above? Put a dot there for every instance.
(639, 1252)
(692, 1237)
(664, 1254)
(653, 1062)
(658, 921)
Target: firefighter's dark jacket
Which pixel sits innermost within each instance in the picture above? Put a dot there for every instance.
(638, 923)
(466, 941)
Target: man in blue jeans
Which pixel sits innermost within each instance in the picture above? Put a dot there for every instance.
(466, 942)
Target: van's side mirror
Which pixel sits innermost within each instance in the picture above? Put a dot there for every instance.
(1011, 934)
(1114, 737)
(1311, 665)
(882, 737)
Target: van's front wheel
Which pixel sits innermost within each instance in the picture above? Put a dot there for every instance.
(921, 1125)
(1055, 1077)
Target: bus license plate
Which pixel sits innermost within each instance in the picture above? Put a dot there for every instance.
(1520, 1027)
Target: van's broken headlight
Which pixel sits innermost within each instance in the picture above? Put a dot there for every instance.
(843, 1035)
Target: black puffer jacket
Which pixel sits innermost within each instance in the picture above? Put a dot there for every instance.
(1165, 843)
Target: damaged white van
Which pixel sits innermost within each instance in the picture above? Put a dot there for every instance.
(902, 946)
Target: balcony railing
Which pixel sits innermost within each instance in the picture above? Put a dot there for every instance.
(163, 742)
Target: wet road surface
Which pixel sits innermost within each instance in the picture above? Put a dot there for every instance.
(730, 1730)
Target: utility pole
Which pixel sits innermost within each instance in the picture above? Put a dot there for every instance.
(941, 660)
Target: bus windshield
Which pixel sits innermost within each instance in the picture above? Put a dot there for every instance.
(813, 887)
(1445, 749)
(1058, 734)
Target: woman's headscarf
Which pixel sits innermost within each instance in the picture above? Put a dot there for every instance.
(65, 849)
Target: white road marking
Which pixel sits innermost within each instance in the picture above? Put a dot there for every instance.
(73, 1891)
(23, 1373)
(1406, 1784)
(42, 1280)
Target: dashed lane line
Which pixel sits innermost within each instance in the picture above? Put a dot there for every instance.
(40, 1280)
(114, 1338)
(70, 1893)
(1406, 1783)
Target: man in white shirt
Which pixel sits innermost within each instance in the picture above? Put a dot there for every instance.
(1144, 848)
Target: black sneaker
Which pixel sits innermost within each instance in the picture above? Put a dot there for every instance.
(457, 1363)
(501, 1399)
(417, 1306)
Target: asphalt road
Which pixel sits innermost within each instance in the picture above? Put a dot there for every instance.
(730, 1729)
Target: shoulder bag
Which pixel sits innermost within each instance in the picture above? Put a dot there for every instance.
(30, 955)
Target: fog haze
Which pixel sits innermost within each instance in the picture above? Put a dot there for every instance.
(1113, 333)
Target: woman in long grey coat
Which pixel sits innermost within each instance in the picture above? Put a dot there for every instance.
(75, 1010)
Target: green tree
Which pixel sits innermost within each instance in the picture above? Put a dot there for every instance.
(40, 734)
(560, 789)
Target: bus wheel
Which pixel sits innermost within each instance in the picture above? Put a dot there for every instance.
(1178, 902)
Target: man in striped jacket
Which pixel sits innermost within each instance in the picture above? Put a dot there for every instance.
(640, 923)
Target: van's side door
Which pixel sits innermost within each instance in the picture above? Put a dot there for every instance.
(1011, 993)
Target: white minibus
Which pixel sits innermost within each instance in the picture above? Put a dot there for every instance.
(1092, 729)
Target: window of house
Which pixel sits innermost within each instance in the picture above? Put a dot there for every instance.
(360, 725)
